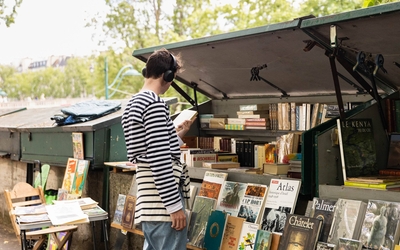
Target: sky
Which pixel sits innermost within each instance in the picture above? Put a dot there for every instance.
(49, 27)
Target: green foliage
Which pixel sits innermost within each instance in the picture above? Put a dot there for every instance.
(7, 13)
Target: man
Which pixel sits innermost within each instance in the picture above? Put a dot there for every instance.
(153, 144)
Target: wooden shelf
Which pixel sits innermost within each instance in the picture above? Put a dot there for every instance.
(139, 232)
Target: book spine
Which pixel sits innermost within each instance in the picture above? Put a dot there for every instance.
(389, 172)
(396, 115)
(365, 185)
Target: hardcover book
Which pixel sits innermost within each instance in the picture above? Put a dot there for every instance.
(394, 151)
(357, 148)
(119, 209)
(230, 197)
(350, 244)
(128, 214)
(324, 210)
(300, 231)
(215, 230)
(80, 177)
(263, 240)
(198, 222)
(380, 226)
(248, 236)
(69, 174)
(212, 183)
(232, 232)
(347, 220)
(253, 202)
(77, 145)
(281, 200)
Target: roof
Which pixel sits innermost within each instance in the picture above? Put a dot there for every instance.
(292, 56)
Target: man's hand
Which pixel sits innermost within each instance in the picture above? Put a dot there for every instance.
(178, 220)
(184, 127)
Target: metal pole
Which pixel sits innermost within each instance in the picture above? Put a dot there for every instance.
(106, 77)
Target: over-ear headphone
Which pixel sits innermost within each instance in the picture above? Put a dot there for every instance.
(169, 74)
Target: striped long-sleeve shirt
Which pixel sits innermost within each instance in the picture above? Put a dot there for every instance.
(151, 138)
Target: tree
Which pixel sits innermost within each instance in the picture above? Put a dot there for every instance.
(369, 3)
(7, 15)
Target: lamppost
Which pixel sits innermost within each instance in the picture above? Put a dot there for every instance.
(127, 70)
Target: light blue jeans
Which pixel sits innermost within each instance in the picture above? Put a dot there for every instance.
(160, 235)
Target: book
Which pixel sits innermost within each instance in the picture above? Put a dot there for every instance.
(202, 208)
(80, 175)
(230, 196)
(300, 231)
(357, 148)
(276, 238)
(69, 174)
(128, 214)
(215, 230)
(119, 209)
(232, 232)
(263, 240)
(253, 107)
(184, 115)
(252, 202)
(375, 179)
(350, 244)
(347, 220)
(52, 244)
(32, 218)
(221, 164)
(389, 172)
(247, 236)
(212, 183)
(276, 168)
(280, 201)
(270, 153)
(380, 228)
(66, 213)
(323, 209)
(84, 203)
(192, 193)
(77, 145)
(62, 194)
(30, 210)
(325, 246)
(394, 151)
(94, 212)
(381, 186)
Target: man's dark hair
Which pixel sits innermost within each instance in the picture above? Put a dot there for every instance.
(159, 62)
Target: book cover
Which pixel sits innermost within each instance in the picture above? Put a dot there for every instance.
(263, 240)
(380, 226)
(270, 154)
(230, 197)
(52, 244)
(300, 231)
(128, 214)
(215, 230)
(212, 183)
(324, 210)
(184, 115)
(252, 202)
(247, 236)
(232, 232)
(350, 244)
(69, 174)
(119, 209)
(198, 222)
(80, 177)
(77, 145)
(357, 148)
(394, 151)
(347, 220)
(62, 194)
(280, 200)
(325, 246)
(276, 238)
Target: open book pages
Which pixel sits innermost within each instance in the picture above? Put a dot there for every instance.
(37, 209)
(84, 203)
(66, 213)
(186, 114)
(32, 218)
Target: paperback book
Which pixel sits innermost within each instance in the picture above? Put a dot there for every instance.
(119, 209)
(80, 177)
(230, 197)
(248, 234)
(263, 240)
(232, 232)
(215, 230)
(211, 185)
(77, 145)
(69, 174)
(324, 210)
(128, 214)
(253, 202)
(350, 244)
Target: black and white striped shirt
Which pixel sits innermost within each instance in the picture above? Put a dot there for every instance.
(151, 138)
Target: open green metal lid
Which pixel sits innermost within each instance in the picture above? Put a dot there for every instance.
(292, 57)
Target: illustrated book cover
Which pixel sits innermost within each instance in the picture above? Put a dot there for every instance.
(253, 202)
(232, 232)
(347, 219)
(300, 231)
(69, 174)
(202, 208)
(215, 230)
(350, 244)
(230, 196)
(325, 246)
(212, 183)
(77, 145)
(52, 244)
(357, 148)
(324, 210)
(379, 229)
(128, 214)
(263, 240)
(247, 236)
(119, 209)
(80, 177)
(280, 200)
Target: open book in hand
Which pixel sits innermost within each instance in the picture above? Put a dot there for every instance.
(184, 115)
